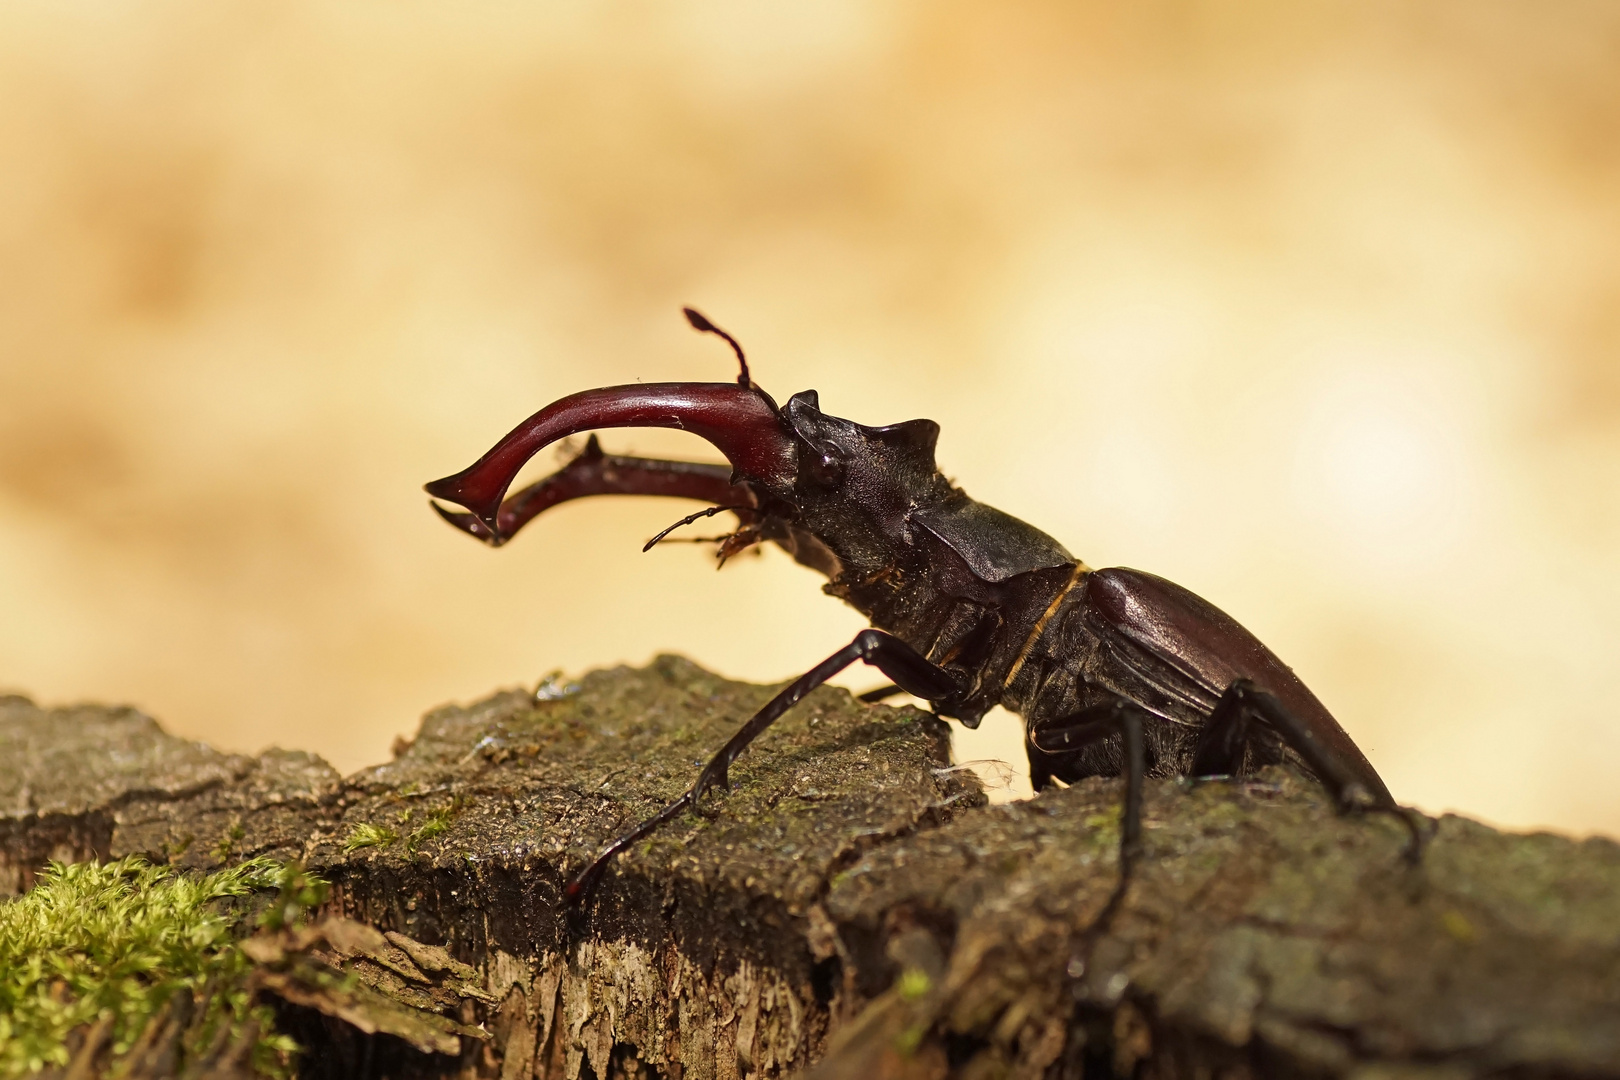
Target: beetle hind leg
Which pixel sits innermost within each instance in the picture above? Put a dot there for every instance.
(1233, 727)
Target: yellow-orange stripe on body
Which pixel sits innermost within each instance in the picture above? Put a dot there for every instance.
(1080, 571)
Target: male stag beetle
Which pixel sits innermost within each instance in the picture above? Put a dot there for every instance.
(1114, 671)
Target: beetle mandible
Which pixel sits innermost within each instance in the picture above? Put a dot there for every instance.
(1115, 671)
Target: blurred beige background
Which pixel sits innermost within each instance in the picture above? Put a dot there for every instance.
(1313, 308)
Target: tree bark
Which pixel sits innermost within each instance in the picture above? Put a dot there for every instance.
(852, 908)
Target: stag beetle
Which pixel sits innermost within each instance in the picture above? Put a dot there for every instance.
(1114, 671)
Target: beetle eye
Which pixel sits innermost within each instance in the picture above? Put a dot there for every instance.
(827, 467)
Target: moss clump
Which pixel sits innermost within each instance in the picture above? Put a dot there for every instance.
(914, 984)
(113, 943)
(226, 845)
(437, 824)
(367, 835)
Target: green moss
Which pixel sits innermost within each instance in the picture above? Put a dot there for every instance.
(1458, 926)
(113, 942)
(367, 835)
(914, 984)
(436, 824)
(225, 847)
(298, 893)
(1108, 819)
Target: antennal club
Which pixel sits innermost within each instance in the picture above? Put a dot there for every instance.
(701, 322)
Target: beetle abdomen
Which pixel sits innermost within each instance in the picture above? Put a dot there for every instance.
(1177, 646)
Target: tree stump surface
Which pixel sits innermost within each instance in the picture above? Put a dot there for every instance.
(853, 908)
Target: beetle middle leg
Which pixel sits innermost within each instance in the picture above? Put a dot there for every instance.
(909, 669)
(1225, 741)
(1091, 726)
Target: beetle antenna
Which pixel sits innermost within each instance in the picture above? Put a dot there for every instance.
(688, 519)
(700, 322)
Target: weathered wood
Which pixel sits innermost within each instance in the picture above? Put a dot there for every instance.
(851, 902)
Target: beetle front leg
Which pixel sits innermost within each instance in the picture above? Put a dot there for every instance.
(899, 661)
(882, 693)
(1225, 740)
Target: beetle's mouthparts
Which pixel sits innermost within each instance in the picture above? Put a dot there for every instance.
(471, 525)
(740, 422)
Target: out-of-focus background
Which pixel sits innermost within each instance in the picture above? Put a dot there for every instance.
(1313, 308)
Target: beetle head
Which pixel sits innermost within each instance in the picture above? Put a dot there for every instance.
(855, 486)
(837, 494)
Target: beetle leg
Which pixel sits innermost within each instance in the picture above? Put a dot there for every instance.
(1222, 745)
(872, 697)
(1224, 742)
(899, 661)
(594, 473)
(1090, 726)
